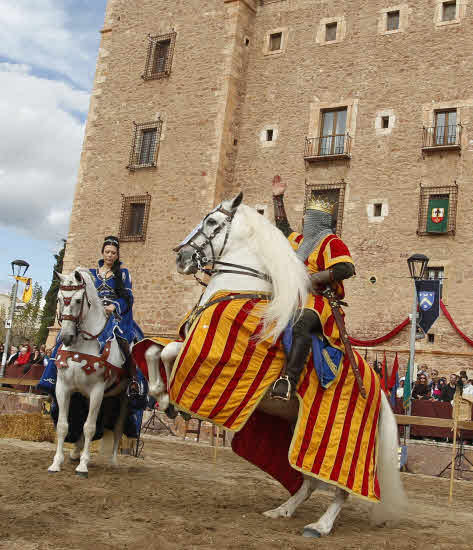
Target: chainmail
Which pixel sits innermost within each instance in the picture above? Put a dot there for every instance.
(317, 225)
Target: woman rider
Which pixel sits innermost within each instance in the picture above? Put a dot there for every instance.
(113, 284)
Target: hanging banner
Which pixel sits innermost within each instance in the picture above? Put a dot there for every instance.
(428, 298)
(437, 218)
(28, 292)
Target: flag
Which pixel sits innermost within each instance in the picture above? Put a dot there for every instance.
(384, 374)
(407, 386)
(428, 297)
(437, 220)
(394, 382)
(28, 291)
(394, 374)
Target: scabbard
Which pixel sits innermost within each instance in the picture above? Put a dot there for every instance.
(339, 320)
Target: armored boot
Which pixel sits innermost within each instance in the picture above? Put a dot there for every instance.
(133, 389)
(285, 386)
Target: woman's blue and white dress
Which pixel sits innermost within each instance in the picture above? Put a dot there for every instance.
(120, 324)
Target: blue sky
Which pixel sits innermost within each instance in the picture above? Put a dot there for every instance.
(48, 52)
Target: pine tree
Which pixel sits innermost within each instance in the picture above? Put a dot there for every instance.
(49, 310)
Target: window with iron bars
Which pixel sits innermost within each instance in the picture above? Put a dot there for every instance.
(336, 189)
(436, 273)
(159, 58)
(427, 193)
(145, 146)
(134, 217)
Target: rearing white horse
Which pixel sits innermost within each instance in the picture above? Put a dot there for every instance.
(247, 253)
(81, 367)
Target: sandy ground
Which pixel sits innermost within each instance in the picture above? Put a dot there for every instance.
(176, 498)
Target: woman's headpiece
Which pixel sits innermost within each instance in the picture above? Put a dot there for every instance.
(111, 240)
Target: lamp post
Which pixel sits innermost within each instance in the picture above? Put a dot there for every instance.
(16, 266)
(417, 266)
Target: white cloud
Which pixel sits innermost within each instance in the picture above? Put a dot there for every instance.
(40, 150)
(43, 33)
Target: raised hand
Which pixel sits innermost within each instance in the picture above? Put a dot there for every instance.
(278, 186)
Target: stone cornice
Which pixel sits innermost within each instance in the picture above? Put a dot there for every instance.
(248, 4)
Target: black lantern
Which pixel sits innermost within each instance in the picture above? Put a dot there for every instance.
(17, 266)
(417, 266)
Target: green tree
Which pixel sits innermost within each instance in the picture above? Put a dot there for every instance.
(49, 310)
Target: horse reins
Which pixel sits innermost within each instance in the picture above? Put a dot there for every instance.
(77, 319)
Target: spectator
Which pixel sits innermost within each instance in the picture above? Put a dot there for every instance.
(448, 391)
(437, 388)
(468, 387)
(13, 356)
(36, 357)
(421, 389)
(400, 389)
(24, 358)
(434, 378)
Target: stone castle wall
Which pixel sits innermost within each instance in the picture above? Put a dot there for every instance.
(226, 89)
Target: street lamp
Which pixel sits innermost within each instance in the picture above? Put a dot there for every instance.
(19, 268)
(417, 267)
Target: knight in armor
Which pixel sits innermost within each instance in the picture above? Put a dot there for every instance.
(329, 262)
(113, 284)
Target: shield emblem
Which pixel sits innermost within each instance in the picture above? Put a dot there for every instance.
(437, 215)
(426, 300)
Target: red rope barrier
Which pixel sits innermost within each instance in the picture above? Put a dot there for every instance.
(452, 322)
(381, 339)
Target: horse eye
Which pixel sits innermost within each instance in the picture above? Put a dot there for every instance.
(78, 301)
(211, 221)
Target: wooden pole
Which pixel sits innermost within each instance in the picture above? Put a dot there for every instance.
(216, 444)
(456, 412)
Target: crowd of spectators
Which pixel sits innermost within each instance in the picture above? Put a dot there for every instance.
(26, 355)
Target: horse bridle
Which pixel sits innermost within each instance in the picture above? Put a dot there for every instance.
(202, 260)
(77, 319)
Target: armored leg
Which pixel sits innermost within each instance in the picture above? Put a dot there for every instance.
(308, 324)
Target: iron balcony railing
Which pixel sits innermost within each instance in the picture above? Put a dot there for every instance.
(442, 137)
(327, 147)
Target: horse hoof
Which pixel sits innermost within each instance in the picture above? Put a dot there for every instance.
(82, 474)
(311, 533)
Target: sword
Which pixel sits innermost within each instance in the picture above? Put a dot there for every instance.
(340, 322)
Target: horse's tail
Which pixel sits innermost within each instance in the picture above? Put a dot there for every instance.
(393, 498)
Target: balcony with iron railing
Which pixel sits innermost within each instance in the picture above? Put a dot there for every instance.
(324, 148)
(442, 138)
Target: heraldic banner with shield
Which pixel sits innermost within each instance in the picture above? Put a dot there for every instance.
(428, 296)
(437, 219)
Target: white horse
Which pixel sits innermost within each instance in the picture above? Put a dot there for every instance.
(82, 368)
(236, 234)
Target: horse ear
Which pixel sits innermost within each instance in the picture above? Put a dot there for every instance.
(78, 276)
(60, 276)
(235, 203)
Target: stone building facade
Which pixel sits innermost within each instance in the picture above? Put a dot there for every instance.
(194, 100)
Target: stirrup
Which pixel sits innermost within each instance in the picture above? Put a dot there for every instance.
(133, 389)
(287, 395)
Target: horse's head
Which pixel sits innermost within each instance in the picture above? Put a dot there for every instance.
(206, 242)
(73, 304)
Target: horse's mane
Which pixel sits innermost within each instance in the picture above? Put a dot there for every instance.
(289, 275)
(92, 293)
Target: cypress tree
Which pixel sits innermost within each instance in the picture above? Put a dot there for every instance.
(49, 310)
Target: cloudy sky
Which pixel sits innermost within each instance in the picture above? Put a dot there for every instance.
(48, 51)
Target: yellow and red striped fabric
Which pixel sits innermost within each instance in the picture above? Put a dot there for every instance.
(336, 433)
(331, 250)
(222, 373)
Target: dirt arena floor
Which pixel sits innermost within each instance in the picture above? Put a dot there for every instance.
(176, 498)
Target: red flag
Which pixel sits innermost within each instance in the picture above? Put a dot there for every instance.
(392, 378)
